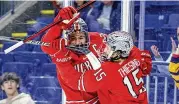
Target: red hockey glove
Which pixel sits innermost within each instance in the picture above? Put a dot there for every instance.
(59, 44)
(67, 23)
(146, 62)
(66, 13)
(62, 54)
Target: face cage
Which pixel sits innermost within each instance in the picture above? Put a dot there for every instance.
(77, 49)
(84, 46)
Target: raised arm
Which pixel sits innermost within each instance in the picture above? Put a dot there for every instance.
(146, 62)
(53, 35)
(158, 57)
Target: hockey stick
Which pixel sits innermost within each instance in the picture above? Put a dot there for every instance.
(41, 31)
(33, 42)
(92, 58)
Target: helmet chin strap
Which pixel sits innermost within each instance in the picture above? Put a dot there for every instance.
(117, 58)
(110, 54)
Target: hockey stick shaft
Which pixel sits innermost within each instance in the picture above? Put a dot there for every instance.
(54, 23)
(42, 30)
(33, 42)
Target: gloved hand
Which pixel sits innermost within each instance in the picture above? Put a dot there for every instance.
(81, 49)
(59, 44)
(62, 55)
(146, 62)
(69, 15)
(66, 13)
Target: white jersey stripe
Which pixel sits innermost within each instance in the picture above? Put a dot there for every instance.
(82, 82)
(70, 102)
(94, 100)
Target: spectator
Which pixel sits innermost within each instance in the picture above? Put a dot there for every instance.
(10, 83)
(105, 17)
(158, 57)
(174, 63)
(173, 67)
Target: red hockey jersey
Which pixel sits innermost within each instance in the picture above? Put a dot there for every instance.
(63, 58)
(116, 83)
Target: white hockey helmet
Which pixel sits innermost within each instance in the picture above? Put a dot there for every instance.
(121, 43)
(79, 25)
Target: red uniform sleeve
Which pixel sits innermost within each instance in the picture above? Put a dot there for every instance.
(146, 62)
(52, 37)
(88, 81)
(54, 34)
(92, 80)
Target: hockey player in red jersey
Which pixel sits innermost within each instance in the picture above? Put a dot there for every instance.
(119, 80)
(78, 36)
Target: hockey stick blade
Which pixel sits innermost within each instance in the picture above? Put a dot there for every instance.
(33, 42)
(12, 40)
(20, 42)
(93, 60)
(13, 47)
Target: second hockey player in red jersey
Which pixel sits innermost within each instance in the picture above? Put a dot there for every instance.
(120, 79)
